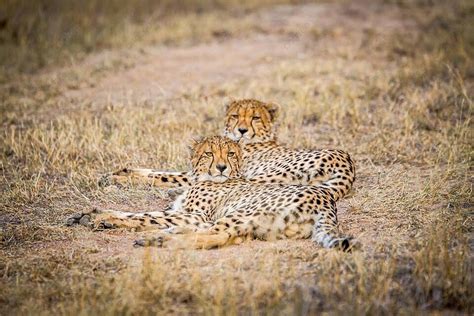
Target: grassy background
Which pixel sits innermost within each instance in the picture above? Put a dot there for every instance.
(37, 34)
(400, 102)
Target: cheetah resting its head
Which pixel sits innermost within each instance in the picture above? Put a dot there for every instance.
(216, 159)
(250, 120)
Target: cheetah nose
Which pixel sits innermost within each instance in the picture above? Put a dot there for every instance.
(243, 130)
(221, 168)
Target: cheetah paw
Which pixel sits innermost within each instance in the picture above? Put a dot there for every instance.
(104, 181)
(103, 225)
(109, 179)
(174, 193)
(347, 244)
(149, 242)
(84, 219)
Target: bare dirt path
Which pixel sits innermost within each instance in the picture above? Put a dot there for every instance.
(285, 33)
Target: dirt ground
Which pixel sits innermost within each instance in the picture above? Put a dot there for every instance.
(343, 81)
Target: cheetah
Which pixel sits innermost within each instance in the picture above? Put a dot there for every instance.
(221, 207)
(251, 122)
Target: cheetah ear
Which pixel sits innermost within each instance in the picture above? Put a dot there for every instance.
(273, 109)
(193, 142)
(228, 104)
(193, 149)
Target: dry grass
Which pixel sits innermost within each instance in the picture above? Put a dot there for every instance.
(34, 35)
(398, 97)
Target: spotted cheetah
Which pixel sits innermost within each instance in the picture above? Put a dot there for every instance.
(251, 122)
(222, 208)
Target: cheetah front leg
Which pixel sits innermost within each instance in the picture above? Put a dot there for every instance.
(161, 179)
(97, 219)
(145, 221)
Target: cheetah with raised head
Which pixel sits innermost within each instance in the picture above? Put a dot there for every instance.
(222, 208)
(251, 122)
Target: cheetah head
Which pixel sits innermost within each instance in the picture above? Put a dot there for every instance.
(216, 159)
(250, 120)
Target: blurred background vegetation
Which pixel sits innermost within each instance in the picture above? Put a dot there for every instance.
(35, 34)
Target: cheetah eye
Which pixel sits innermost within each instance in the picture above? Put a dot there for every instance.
(255, 118)
(208, 153)
(231, 154)
(234, 116)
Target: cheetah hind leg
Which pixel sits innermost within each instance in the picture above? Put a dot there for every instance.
(194, 240)
(198, 240)
(94, 219)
